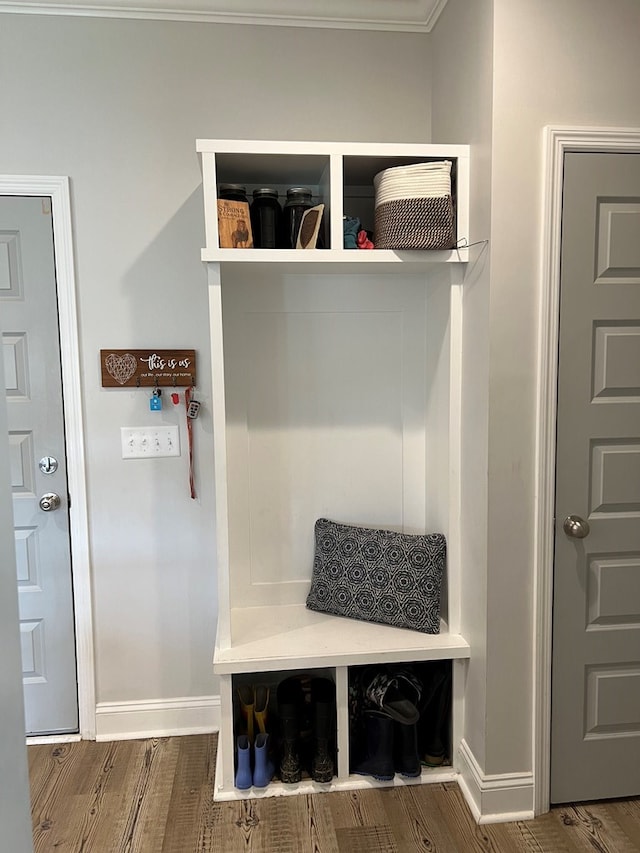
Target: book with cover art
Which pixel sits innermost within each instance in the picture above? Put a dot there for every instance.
(310, 227)
(234, 224)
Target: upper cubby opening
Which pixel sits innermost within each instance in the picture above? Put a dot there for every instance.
(358, 176)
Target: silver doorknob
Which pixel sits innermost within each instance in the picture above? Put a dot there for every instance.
(49, 502)
(576, 527)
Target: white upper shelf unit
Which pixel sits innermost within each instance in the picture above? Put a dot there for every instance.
(340, 176)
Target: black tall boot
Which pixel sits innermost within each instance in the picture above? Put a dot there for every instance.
(377, 760)
(435, 723)
(323, 694)
(290, 700)
(406, 759)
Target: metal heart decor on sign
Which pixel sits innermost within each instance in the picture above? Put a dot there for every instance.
(121, 367)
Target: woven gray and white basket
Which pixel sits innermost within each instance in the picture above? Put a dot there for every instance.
(414, 207)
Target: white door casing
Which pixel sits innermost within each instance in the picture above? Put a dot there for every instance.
(557, 142)
(57, 188)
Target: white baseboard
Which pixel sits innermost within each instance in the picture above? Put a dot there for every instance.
(497, 798)
(157, 718)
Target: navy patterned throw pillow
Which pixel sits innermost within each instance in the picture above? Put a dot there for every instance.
(378, 575)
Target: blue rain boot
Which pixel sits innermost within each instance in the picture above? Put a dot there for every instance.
(243, 772)
(264, 767)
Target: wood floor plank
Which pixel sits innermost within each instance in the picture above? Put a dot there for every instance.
(413, 814)
(237, 827)
(604, 831)
(119, 801)
(93, 810)
(542, 835)
(208, 831)
(454, 813)
(116, 765)
(362, 807)
(367, 839)
(35, 757)
(85, 801)
(580, 830)
(161, 780)
(55, 762)
(191, 795)
(145, 823)
(627, 815)
(85, 798)
(320, 835)
(633, 805)
(89, 766)
(50, 789)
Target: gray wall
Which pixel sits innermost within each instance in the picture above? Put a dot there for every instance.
(462, 45)
(15, 821)
(117, 106)
(573, 62)
(568, 62)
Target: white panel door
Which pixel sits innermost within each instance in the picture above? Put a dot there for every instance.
(595, 722)
(38, 465)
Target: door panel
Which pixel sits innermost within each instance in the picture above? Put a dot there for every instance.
(36, 432)
(595, 722)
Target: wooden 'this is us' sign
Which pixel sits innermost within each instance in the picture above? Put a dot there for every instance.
(148, 368)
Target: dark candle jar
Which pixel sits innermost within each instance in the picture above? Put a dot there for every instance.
(299, 199)
(233, 192)
(266, 219)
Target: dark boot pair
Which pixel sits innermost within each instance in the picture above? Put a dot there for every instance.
(291, 710)
(387, 742)
(395, 699)
(389, 747)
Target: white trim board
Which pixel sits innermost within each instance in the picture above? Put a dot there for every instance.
(43, 740)
(57, 188)
(418, 16)
(157, 718)
(557, 142)
(494, 798)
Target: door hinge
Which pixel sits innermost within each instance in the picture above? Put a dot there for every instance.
(68, 501)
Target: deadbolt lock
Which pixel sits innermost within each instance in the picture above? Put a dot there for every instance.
(48, 464)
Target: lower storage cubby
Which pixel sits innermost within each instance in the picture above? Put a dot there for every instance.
(284, 727)
(304, 731)
(399, 719)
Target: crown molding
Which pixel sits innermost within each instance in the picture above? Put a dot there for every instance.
(390, 15)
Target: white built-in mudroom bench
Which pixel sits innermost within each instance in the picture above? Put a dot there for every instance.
(336, 394)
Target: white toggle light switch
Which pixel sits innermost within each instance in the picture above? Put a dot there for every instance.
(149, 442)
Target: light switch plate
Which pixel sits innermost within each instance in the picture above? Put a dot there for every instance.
(150, 442)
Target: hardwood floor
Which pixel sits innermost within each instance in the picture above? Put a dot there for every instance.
(156, 796)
